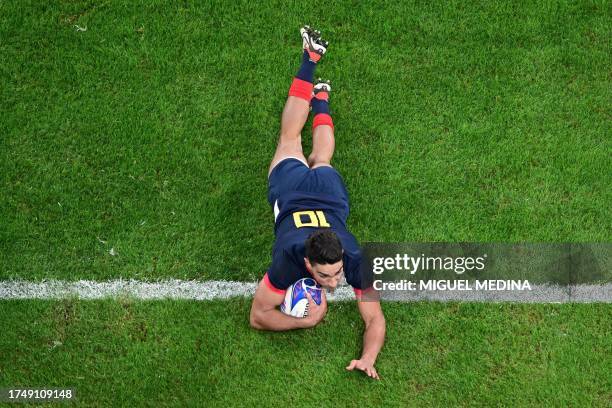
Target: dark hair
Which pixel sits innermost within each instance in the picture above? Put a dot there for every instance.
(323, 247)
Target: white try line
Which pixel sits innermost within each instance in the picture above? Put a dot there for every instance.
(211, 290)
(167, 289)
(87, 289)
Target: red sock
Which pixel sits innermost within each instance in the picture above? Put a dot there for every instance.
(322, 119)
(301, 89)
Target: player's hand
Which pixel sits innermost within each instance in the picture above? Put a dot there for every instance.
(316, 313)
(364, 365)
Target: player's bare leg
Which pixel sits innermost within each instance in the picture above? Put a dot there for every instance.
(323, 142)
(294, 116)
(295, 112)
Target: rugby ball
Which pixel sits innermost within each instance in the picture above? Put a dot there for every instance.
(296, 302)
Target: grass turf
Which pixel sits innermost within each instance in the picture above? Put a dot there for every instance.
(150, 133)
(173, 352)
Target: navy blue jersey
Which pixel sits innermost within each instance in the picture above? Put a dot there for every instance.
(317, 200)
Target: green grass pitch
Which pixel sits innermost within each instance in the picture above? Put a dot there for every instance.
(147, 128)
(160, 353)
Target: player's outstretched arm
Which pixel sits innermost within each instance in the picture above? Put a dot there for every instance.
(373, 337)
(265, 315)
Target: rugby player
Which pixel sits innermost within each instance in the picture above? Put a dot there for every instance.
(311, 205)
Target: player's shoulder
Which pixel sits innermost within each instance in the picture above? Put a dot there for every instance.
(349, 242)
(290, 244)
(352, 260)
(287, 264)
(352, 257)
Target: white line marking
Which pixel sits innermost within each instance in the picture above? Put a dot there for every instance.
(210, 290)
(86, 289)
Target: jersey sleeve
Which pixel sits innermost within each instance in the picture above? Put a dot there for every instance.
(271, 286)
(281, 273)
(357, 276)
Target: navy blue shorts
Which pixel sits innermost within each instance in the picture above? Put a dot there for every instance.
(293, 175)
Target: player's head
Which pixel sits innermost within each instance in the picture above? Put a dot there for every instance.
(324, 257)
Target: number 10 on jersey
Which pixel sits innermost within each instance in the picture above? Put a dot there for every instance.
(310, 219)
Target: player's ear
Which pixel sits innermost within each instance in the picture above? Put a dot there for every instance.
(308, 265)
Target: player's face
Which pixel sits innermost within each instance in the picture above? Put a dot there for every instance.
(328, 275)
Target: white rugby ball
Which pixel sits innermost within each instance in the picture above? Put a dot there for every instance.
(296, 302)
